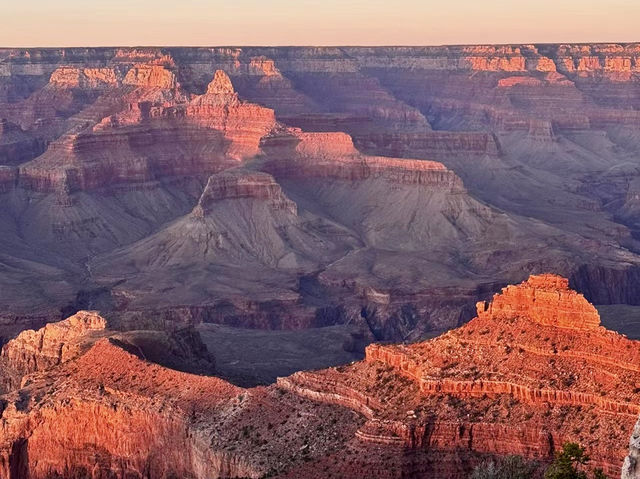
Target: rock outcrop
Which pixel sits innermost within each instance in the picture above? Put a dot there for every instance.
(509, 382)
(111, 412)
(545, 299)
(151, 76)
(333, 155)
(75, 77)
(535, 356)
(235, 185)
(631, 465)
(160, 134)
(52, 345)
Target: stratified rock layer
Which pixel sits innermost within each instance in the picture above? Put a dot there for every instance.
(544, 299)
(416, 181)
(509, 382)
(109, 412)
(532, 371)
(52, 345)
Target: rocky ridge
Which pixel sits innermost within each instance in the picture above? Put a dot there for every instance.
(543, 137)
(537, 347)
(510, 382)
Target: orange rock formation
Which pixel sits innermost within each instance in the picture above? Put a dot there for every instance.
(533, 370)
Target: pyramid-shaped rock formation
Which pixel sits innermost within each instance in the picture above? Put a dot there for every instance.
(534, 369)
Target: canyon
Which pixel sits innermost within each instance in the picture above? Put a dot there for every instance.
(389, 187)
(532, 370)
(358, 212)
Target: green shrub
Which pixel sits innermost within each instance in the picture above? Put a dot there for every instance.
(509, 467)
(570, 464)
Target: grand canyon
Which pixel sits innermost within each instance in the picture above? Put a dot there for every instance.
(313, 262)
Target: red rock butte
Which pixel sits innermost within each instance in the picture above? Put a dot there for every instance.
(534, 369)
(509, 382)
(545, 299)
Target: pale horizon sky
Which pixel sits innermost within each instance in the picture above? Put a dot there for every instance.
(57, 23)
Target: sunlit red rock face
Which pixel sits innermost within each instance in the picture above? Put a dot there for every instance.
(52, 345)
(110, 412)
(393, 187)
(532, 370)
(161, 133)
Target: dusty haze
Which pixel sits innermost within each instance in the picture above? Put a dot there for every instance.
(313, 22)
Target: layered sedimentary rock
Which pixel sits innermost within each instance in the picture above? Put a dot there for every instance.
(111, 412)
(512, 381)
(151, 76)
(52, 345)
(332, 155)
(57, 343)
(235, 185)
(324, 203)
(547, 300)
(75, 77)
(535, 356)
(160, 134)
(542, 136)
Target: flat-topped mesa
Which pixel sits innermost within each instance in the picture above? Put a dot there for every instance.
(149, 55)
(93, 78)
(151, 76)
(432, 144)
(233, 185)
(53, 344)
(614, 60)
(322, 145)
(294, 153)
(545, 299)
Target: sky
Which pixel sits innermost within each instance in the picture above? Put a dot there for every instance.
(32, 23)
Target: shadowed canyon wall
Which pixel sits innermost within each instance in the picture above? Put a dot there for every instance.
(403, 183)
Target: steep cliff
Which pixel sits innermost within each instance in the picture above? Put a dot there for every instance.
(496, 160)
(535, 357)
(532, 370)
(52, 345)
(161, 133)
(111, 412)
(630, 467)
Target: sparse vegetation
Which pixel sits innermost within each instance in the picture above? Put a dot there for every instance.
(570, 463)
(510, 467)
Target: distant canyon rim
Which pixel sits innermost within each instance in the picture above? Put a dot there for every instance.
(172, 200)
